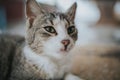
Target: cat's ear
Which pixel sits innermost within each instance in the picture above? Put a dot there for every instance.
(72, 11)
(33, 9)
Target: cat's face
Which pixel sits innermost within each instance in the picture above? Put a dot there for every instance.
(51, 33)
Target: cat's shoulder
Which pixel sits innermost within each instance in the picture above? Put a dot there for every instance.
(11, 38)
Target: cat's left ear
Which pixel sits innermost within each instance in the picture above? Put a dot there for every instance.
(71, 12)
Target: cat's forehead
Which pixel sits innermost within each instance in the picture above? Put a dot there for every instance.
(57, 18)
(54, 19)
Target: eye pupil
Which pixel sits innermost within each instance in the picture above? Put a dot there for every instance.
(71, 29)
(51, 29)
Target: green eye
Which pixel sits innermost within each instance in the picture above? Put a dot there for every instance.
(71, 29)
(50, 29)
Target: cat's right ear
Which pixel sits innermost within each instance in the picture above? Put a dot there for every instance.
(33, 9)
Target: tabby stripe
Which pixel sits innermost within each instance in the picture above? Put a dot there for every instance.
(61, 17)
(53, 15)
(51, 22)
(10, 60)
(67, 21)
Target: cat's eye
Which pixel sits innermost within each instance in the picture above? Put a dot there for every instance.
(50, 29)
(71, 29)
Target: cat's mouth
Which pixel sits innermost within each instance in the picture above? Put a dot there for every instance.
(65, 49)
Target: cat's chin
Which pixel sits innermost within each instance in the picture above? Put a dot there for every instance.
(60, 54)
(64, 51)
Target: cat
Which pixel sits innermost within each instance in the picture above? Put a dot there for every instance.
(45, 54)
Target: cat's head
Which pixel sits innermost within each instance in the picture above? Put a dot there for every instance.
(51, 33)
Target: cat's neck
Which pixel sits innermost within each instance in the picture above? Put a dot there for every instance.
(30, 55)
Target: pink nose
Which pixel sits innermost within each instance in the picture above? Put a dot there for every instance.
(65, 42)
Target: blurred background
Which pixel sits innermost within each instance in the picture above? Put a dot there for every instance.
(98, 21)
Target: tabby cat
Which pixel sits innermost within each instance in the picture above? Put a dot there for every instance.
(45, 54)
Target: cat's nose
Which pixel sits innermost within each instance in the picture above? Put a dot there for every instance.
(65, 42)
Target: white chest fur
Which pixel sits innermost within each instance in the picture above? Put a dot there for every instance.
(52, 69)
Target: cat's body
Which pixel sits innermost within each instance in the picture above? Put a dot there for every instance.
(8, 48)
(45, 54)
